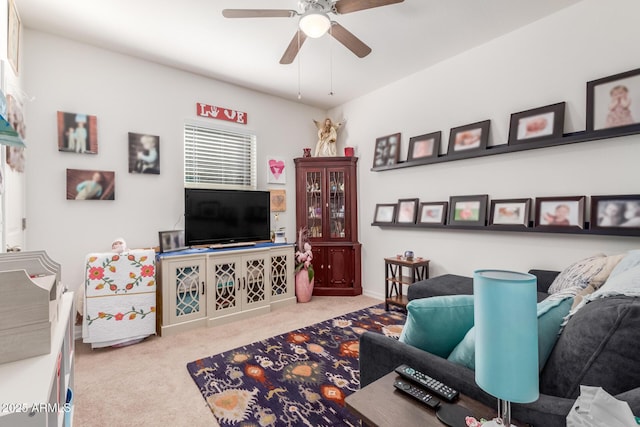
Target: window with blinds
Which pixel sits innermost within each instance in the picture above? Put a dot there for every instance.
(219, 158)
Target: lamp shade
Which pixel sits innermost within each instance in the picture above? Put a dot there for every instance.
(506, 326)
(314, 23)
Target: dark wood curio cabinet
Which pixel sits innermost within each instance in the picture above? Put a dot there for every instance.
(326, 203)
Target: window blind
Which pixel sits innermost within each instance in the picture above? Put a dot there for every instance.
(219, 158)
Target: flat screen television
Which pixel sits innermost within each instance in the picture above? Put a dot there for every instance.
(225, 216)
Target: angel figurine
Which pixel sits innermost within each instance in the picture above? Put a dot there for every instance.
(327, 135)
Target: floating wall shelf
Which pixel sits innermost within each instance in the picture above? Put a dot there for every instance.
(517, 228)
(570, 138)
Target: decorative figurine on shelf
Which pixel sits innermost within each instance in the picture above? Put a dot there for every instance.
(327, 136)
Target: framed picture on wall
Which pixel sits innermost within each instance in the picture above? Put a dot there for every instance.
(510, 212)
(13, 36)
(560, 212)
(537, 124)
(385, 213)
(473, 137)
(615, 212)
(468, 210)
(90, 185)
(432, 213)
(387, 150)
(276, 171)
(144, 153)
(424, 146)
(614, 101)
(77, 132)
(407, 211)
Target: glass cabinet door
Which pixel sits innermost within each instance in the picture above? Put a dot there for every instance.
(336, 204)
(313, 202)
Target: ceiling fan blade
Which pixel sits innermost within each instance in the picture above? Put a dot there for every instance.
(348, 6)
(350, 41)
(294, 46)
(258, 13)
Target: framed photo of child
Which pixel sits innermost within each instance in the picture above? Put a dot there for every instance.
(90, 185)
(538, 124)
(432, 213)
(616, 212)
(144, 153)
(468, 210)
(472, 137)
(614, 101)
(560, 212)
(424, 146)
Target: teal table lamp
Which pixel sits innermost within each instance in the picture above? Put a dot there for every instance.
(506, 323)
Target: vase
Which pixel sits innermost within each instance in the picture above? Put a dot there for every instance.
(304, 286)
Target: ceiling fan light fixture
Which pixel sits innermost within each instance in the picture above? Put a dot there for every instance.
(314, 23)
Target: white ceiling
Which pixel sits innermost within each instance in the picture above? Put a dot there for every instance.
(192, 35)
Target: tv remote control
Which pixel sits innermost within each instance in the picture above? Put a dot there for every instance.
(417, 393)
(432, 385)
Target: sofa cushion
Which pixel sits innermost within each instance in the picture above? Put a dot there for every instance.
(597, 347)
(438, 324)
(593, 271)
(550, 315)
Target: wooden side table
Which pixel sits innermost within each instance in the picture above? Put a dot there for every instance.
(395, 269)
(380, 404)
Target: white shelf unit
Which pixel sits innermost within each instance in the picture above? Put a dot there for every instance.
(33, 391)
(211, 287)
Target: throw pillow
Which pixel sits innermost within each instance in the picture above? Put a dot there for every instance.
(437, 324)
(631, 259)
(592, 271)
(625, 283)
(550, 315)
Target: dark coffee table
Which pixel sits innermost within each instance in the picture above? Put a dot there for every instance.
(380, 404)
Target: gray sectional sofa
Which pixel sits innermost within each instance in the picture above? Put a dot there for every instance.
(597, 347)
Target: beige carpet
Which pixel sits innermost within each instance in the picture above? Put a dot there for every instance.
(148, 384)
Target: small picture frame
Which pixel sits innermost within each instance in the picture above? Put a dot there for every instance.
(171, 241)
(614, 101)
(537, 124)
(473, 137)
(615, 212)
(278, 200)
(407, 211)
(385, 213)
(387, 150)
(424, 146)
(434, 213)
(559, 212)
(468, 210)
(510, 212)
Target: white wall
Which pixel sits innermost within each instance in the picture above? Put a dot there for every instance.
(544, 63)
(131, 95)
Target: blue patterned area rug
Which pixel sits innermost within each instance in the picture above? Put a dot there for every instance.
(300, 378)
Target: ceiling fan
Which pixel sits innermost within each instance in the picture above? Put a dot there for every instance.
(315, 22)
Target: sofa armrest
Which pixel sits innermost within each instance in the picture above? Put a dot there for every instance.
(545, 278)
(380, 355)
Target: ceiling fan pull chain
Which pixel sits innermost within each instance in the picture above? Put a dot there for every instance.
(299, 94)
(331, 61)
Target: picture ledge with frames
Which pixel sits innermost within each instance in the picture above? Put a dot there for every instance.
(569, 138)
(611, 215)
